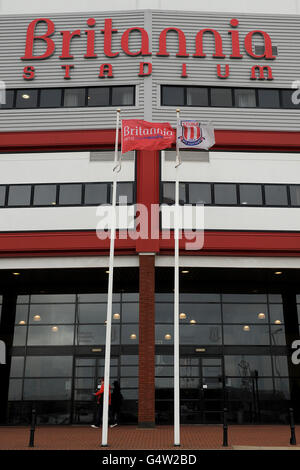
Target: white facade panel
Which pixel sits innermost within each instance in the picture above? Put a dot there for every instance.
(59, 167)
(237, 167)
(61, 218)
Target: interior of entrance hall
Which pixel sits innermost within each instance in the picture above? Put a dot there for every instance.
(236, 331)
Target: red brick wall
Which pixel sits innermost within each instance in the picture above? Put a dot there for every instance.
(146, 411)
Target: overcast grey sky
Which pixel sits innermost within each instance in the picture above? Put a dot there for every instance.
(53, 6)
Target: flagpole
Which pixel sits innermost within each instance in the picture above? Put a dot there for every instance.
(110, 291)
(176, 301)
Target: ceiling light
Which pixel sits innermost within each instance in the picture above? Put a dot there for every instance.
(168, 337)
(277, 322)
(116, 316)
(246, 328)
(182, 316)
(54, 328)
(133, 336)
(185, 271)
(16, 274)
(107, 272)
(22, 322)
(261, 316)
(193, 322)
(25, 96)
(278, 272)
(36, 318)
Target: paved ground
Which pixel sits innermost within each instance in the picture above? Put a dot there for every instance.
(131, 437)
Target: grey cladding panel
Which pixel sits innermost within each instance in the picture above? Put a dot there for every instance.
(283, 29)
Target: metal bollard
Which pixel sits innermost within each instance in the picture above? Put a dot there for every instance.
(32, 428)
(292, 424)
(225, 429)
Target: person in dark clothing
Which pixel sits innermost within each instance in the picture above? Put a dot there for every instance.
(99, 394)
(116, 403)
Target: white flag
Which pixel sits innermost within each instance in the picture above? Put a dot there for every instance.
(194, 135)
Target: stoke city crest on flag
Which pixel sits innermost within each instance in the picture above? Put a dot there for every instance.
(191, 134)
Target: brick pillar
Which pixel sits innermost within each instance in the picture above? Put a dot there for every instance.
(146, 412)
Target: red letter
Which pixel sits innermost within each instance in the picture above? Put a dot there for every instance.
(142, 69)
(30, 38)
(107, 31)
(219, 72)
(144, 50)
(29, 72)
(268, 45)
(90, 42)
(261, 69)
(235, 41)
(163, 43)
(106, 71)
(183, 72)
(67, 37)
(67, 71)
(218, 44)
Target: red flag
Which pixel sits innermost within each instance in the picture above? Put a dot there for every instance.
(142, 135)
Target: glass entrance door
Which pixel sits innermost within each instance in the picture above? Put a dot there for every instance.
(201, 390)
(87, 374)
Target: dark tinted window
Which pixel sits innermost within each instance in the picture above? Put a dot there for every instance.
(95, 193)
(197, 96)
(295, 195)
(287, 98)
(199, 193)
(51, 98)
(74, 97)
(173, 96)
(251, 194)
(19, 195)
(221, 97)
(225, 193)
(2, 195)
(8, 97)
(268, 98)
(125, 190)
(122, 96)
(168, 196)
(44, 195)
(70, 194)
(276, 195)
(245, 98)
(26, 99)
(98, 96)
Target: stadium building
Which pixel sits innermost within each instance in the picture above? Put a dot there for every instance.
(65, 77)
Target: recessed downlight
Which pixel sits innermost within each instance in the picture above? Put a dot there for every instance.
(261, 316)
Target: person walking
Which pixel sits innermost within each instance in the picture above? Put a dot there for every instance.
(99, 411)
(116, 403)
